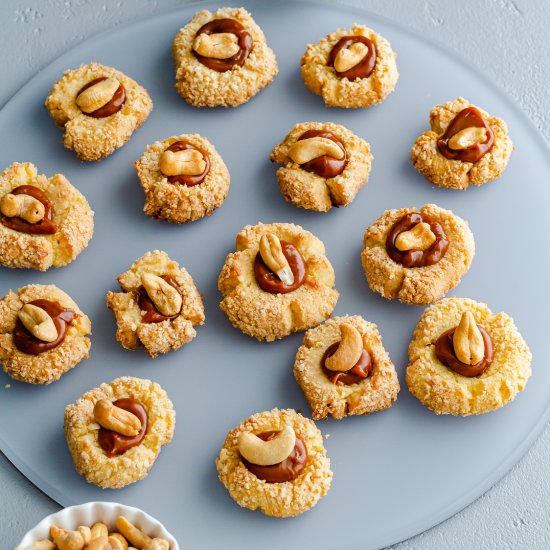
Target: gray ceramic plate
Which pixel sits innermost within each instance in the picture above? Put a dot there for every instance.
(396, 473)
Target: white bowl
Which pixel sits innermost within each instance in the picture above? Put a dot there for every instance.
(89, 513)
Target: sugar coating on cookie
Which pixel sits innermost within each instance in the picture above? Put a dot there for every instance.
(323, 165)
(368, 72)
(82, 431)
(236, 62)
(98, 108)
(375, 392)
(196, 182)
(420, 284)
(465, 145)
(278, 499)
(448, 392)
(140, 309)
(60, 230)
(42, 360)
(268, 315)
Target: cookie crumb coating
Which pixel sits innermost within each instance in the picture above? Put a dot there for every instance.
(204, 87)
(71, 214)
(48, 366)
(456, 174)
(311, 191)
(81, 431)
(417, 285)
(178, 203)
(286, 499)
(267, 316)
(96, 138)
(322, 80)
(375, 393)
(170, 334)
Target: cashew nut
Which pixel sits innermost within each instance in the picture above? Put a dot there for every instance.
(65, 539)
(117, 542)
(308, 149)
(86, 533)
(266, 453)
(272, 255)
(98, 95)
(165, 297)
(37, 321)
(23, 206)
(347, 58)
(99, 529)
(118, 420)
(420, 237)
(98, 543)
(349, 350)
(157, 544)
(44, 544)
(468, 343)
(220, 45)
(188, 162)
(467, 138)
(136, 537)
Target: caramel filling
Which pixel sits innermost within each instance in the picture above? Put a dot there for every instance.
(287, 470)
(269, 281)
(27, 343)
(416, 258)
(152, 314)
(190, 181)
(115, 444)
(112, 106)
(45, 226)
(325, 165)
(244, 40)
(365, 67)
(358, 372)
(444, 350)
(467, 118)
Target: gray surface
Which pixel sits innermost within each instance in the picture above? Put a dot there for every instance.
(520, 515)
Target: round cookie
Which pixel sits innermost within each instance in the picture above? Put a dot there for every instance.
(159, 306)
(323, 165)
(366, 74)
(365, 381)
(447, 391)
(104, 456)
(38, 347)
(275, 493)
(222, 58)
(184, 178)
(98, 108)
(436, 248)
(277, 308)
(44, 221)
(465, 145)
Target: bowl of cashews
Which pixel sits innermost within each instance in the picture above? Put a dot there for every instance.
(99, 526)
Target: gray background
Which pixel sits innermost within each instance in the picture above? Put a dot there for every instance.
(513, 514)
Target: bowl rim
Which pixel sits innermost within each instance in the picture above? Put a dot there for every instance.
(63, 517)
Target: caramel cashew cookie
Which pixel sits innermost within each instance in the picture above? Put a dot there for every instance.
(222, 58)
(415, 255)
(101, 451)
(44, 222)
(99, 108)
(344, 369)
(184, 178)
(43, 334)
(323, 165)
(465, 145)
(464, 360)
(350, 68)
(270, 300)
(159, 305)
(275, 461)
